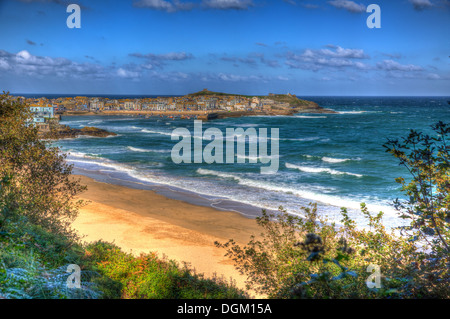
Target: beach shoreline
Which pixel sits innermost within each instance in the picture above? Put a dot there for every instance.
(143, 221)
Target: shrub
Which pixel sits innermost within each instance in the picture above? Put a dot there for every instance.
(36, 180)
(311, 257)
(150, 277)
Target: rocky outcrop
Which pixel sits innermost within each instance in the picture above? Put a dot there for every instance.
(64, 131)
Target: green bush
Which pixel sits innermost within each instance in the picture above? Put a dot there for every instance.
(150, 277)
(311, 257)
(31, 268)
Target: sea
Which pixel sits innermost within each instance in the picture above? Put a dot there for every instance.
(334, 160)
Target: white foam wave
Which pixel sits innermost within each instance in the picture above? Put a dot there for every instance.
(238, 137)
(335, 160)
(95, 122)
(309, 117)
(332, 200)
(136, 149)
(143, 150)
(303, 139)
(308, 169)
(255, 158)
(83, 155)
(357, 112)
(155, 132)
(352, 112)
(105, 163)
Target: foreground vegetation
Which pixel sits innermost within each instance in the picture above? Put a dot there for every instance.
(293, 257)
(312, 257)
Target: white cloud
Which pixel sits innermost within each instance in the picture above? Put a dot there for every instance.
(345, 53)
(169, 6)
(159, 60)
(391, 65)
(326, 58)
(25, 63)
(348, 5)
(433, 76)
(3, 64)
(126, 73)
(227, 4)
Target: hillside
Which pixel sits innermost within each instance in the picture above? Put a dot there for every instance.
(296, 104)
(206, 92)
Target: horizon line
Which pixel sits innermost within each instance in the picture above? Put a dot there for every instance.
(150, 94)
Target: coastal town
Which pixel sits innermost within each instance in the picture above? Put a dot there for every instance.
(204, 105)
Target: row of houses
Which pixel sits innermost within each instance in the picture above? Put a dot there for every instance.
(47, 108)
(229, 103)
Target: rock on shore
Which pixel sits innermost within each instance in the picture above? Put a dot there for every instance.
(64, 131)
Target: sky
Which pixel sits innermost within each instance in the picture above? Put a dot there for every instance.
(175, 47)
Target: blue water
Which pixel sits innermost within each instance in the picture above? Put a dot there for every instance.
(336, 160)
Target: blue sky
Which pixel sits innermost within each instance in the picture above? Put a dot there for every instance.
(305, 47)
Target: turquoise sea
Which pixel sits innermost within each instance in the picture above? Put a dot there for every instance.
(336, 160)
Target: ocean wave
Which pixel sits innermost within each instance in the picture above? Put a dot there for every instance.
(120, 119)
(332, 200)
(247, 125)
(357, 112)
(238, 137)
(143, 150)
(335, 160)
(136, 149)
(309, 117)
(352, 112)
(302, 139)
(102, 162)
(255, 158)
(339, 160)
(83, 155)
(155, 132)
(307, 192)
(308, 169)
(95, 122)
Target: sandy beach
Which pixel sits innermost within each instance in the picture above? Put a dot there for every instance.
(140, 221)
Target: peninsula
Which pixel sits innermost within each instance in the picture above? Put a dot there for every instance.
(204, 105)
